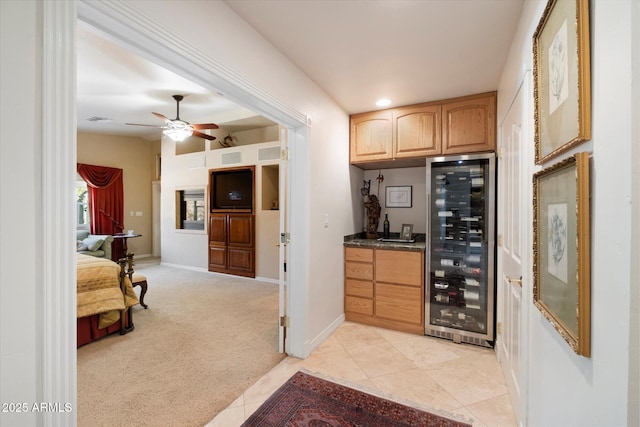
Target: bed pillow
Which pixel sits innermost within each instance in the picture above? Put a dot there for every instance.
(93, 243)
(81, 246)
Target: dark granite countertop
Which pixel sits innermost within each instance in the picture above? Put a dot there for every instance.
(359, 240)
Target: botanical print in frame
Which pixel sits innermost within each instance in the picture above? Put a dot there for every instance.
(562, 82)
(557, 242)
(561, 267)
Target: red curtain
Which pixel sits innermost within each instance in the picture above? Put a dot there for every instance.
(106, 198)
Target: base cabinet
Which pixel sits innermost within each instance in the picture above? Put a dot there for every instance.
(231, 244)
(385, 288)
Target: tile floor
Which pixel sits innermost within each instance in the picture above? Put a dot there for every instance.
(456, 380)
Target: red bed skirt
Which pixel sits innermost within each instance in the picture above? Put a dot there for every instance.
(88, 331)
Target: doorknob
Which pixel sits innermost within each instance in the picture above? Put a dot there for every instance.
(512, 280)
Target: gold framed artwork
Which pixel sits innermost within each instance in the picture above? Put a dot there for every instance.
(561, 249)
(562, 78)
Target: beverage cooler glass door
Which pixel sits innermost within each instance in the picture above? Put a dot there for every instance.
(460, 260)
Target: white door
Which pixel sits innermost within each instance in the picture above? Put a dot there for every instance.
(283, 206)
(511, 178)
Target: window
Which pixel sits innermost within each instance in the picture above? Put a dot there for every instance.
(82, 203)
(190, 212)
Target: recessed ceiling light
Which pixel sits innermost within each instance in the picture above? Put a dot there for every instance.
(383, 102)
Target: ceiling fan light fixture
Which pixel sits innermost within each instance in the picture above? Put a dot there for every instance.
(178, 135)
(178, 130)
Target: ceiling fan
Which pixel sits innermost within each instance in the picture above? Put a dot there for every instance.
(179, 130)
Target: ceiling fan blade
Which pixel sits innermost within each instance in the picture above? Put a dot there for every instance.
(138, 124)
(205, 126)
(203, 135)
(161, 117)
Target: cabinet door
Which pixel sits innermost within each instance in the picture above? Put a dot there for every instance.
(217, 257)
(358, 254)
(402, 267)
(358, 270)
(358, 288)
(240, 230)
(469, 124)
(358, 305)
(218, 229)
(417, 131)
(399, 303)
(371, 136)
(240, 260)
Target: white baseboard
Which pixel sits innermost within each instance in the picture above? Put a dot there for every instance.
(326, 333)
(268, 280)
(204, 270)
(139, 256)
(184, 267)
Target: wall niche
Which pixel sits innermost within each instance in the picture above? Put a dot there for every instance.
(270, 187)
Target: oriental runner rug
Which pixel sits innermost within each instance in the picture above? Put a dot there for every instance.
(305, 400)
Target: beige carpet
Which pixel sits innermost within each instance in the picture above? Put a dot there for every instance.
(202, 342)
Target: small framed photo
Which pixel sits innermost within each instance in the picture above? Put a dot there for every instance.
(561, 273)
(398, 197)
(406, 233)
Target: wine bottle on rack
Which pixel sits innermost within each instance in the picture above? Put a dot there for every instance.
(385, 226)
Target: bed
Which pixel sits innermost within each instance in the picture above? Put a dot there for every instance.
(104, 297)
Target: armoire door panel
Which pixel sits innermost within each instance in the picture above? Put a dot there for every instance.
(218, 228)
(240, 259)
(241, 230)
(217, 256)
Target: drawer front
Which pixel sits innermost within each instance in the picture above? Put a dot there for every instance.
(358, 270)
(403, 267)
(401, 303)
(359, 288)
(358, 254)
(358, 305)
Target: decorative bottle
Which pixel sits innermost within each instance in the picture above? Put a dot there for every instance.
(385, 225)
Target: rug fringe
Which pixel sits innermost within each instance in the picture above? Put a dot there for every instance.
(378, 393)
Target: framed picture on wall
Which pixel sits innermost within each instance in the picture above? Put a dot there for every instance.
(561, 251)
(562, 80)
(398, 196)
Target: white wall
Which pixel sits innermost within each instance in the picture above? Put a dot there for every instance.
(566, 389)
(417, 214)
(20, 357)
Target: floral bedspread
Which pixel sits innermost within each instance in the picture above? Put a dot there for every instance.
(98, 282)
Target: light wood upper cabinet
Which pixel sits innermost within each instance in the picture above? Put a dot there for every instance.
(403, 136)
(371, 136)
(469, 124)
(417, 131)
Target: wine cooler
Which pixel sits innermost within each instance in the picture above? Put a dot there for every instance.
(460, 261)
